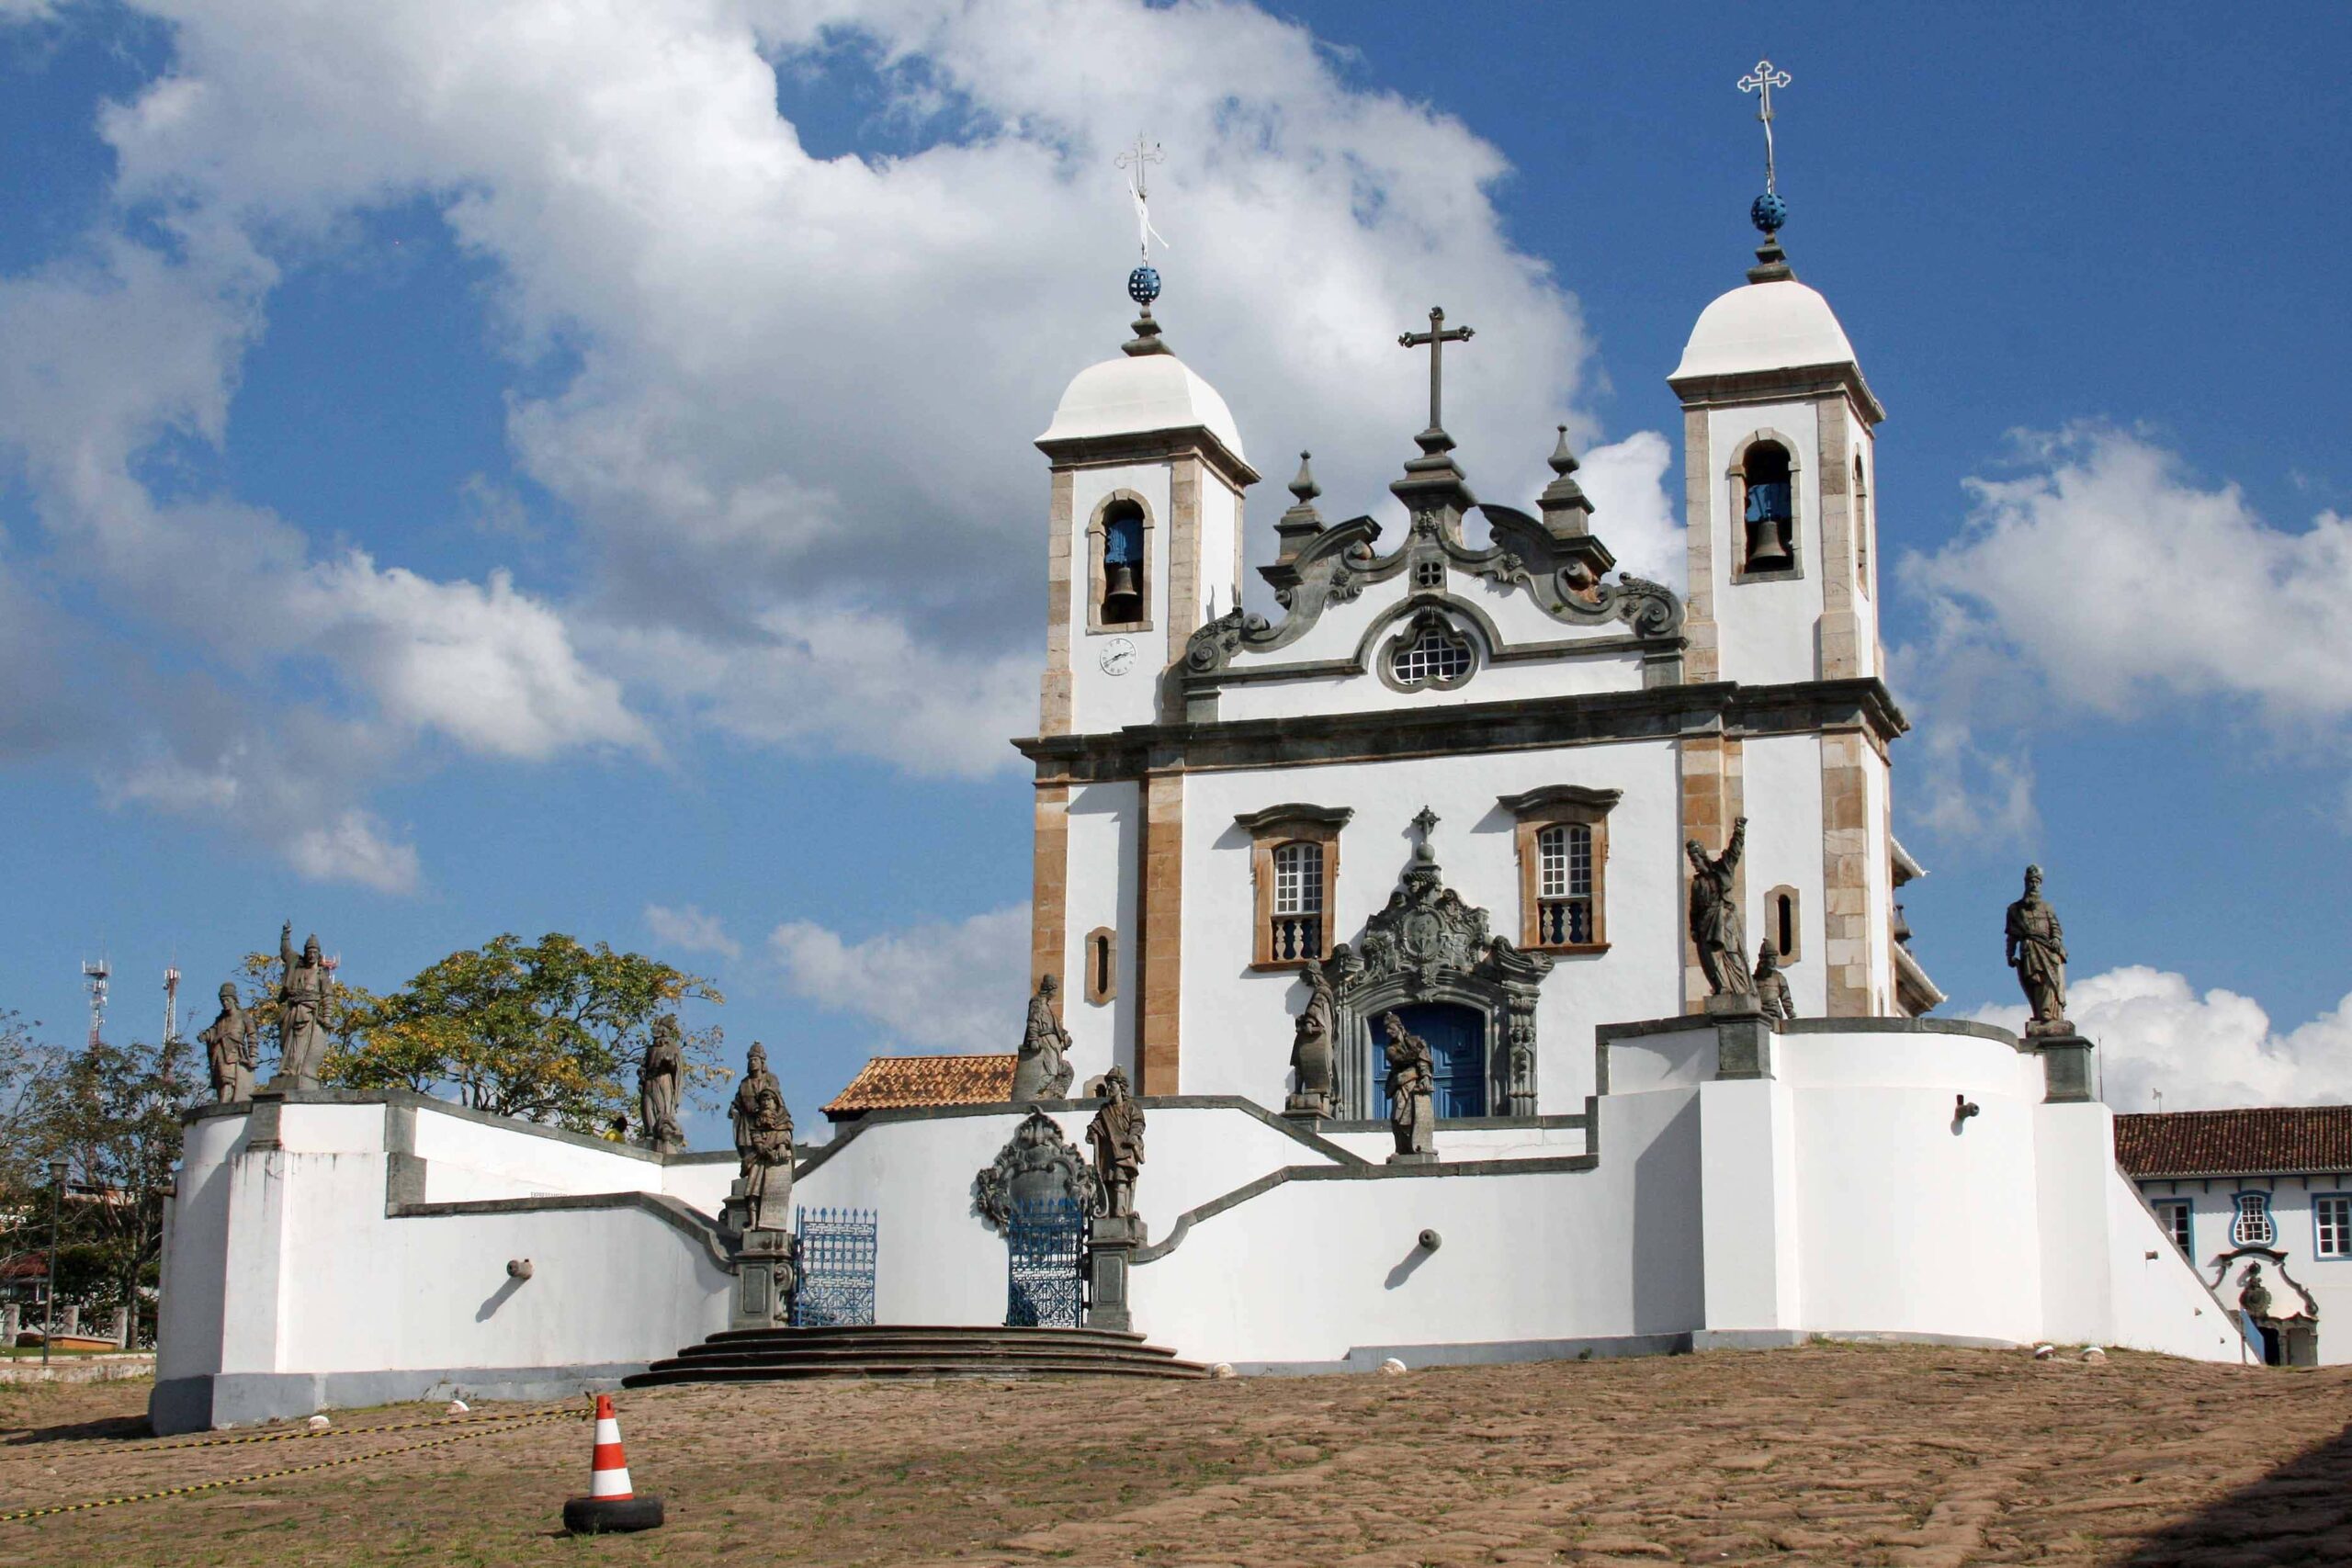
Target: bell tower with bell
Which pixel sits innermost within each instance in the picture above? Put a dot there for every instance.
(1778, 431)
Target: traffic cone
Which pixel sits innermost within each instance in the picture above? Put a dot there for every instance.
(611, 1505)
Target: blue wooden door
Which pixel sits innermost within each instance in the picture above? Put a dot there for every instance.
(1457, 1037)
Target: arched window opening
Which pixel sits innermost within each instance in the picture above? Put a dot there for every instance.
(1123, 564)
(1784, 923)
(1862, 527)
(1563, 894)
(1102, 965)
(1296, 912)
(1770, 514)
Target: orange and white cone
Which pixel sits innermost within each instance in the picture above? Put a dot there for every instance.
(612, 1504)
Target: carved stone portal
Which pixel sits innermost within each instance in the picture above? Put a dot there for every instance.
(1428, 945)
(1036, 1163)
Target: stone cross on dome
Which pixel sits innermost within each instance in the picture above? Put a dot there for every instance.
(1435, 340)
(1768, 211)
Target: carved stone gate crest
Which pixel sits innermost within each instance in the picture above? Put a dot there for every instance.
(1036, 1165)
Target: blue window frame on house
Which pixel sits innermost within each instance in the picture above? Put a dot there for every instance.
(2332, 1225)
(2253, 1227)
(2175, 1215)
(1457, 1041)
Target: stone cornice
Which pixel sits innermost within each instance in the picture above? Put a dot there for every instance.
(1796, 383)
(1152, 447)
(1661, 713)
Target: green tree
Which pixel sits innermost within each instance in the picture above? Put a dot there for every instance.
(547, 1031)
(112, 1113)
(25, 1064)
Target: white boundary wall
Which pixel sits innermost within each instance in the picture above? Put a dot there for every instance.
(325, 1251)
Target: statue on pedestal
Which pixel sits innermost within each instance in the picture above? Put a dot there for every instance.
(1715, 915)
(1040, 1072)
(1116, 1134)
(2036, 948)
(763, 1144)
(301, 1012)
(230, 1049)
(1412, 1091)
(658, 1079)
(1312, 1055)
(1771, 985)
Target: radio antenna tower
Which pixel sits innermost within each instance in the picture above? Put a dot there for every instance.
(94, 975)
(171, 1004)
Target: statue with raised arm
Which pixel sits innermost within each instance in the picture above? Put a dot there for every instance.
(1312, 1052)
(658, 1078)
(230, 1049)
(301, 1012)
(763, 1144)
(1771, 985)
(1041, 1071)
(1412, 1090)
(1116, 1134)
(2036, 948)
(1715, 915)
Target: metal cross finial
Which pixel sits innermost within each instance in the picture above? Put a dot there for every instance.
(1136, 161)
(1435, 339)
(1761, 81)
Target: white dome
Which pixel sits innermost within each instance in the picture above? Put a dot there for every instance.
(1765, 326)
(1136, 394)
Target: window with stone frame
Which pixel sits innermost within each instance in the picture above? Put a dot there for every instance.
(2178, 1225)
(2332, 1225)
(1563, 839)
(1430, 652)
(1118, 595)
(1295, 867)
(2253, 1227)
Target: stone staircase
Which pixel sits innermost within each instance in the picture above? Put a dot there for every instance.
(769, 1355)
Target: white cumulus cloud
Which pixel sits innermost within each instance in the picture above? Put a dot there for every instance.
(690, 930)
(2209, 1051)
(954, 987)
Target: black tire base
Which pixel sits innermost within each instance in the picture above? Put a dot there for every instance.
(611, 1516)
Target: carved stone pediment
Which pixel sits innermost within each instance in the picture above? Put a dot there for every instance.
(1426, 930)
(1035, 1163)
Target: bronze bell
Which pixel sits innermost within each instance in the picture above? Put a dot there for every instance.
(1121, 600)
(1766, 549)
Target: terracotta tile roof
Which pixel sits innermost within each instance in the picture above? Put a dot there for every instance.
(2274, 1140)
(889, 1083)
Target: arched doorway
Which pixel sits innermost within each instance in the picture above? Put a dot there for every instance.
(1457, 1041)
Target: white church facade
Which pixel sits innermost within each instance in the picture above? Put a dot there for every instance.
(1461, 781)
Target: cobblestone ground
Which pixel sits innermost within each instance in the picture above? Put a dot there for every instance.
(1831, 1454)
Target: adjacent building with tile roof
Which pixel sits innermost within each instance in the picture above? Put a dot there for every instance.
(2269, 1187)
(902, 1083)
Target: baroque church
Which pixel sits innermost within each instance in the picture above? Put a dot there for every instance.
(1607, 869)
(1462, 779)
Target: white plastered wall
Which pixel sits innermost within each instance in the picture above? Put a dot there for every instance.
(1766, 629)
(1781, 782)
(1102, 701)
(1236, 1023)
(1099, 888)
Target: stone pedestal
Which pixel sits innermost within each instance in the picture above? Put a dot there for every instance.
(120, 1333)
(1743, 1036)
(1110, 1248)
(70, 1321)
(735, 1214)
(12, 1322)
(1308, 1107)
(2068, 1072)
(1418, 1157)
(763, 1279)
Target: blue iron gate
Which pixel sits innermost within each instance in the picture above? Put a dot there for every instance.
(1043, 1246)
(836, 1287)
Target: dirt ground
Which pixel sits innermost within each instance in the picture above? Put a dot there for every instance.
(1833, 1454)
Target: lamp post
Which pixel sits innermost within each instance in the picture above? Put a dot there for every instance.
(56, 1207)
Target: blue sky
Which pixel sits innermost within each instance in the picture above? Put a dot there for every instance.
(510, 466)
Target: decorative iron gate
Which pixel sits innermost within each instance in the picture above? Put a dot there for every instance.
(836, 1285)
(1045, 1244)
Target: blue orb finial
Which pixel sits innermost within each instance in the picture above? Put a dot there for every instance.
(1768, 212)
(1143, 285)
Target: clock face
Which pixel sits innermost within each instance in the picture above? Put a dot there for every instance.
(1118, 656)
